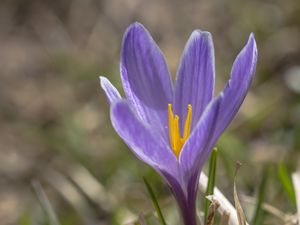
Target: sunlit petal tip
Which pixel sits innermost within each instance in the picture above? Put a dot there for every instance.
(253, 42)
(250, 45)
(199, 35)
(244, 66)
(111, 92)
(134, 27)
(203, 34)
(195, 76)
(134, 30)
(251, 49)
(252, 38)
(206, 37)
(138, 25)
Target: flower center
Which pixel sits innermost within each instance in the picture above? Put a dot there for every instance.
(176, 141)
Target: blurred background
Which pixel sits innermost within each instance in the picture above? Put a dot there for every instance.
(55, 135)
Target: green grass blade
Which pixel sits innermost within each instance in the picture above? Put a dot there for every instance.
(211, 179)
(44, 201)
(155, 202)
(286, 183)
(258, 214)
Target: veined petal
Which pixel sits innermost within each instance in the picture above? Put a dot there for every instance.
(220, 112)
(146, 80)
(195, 77)
(111, 92)
(198, 146)
(242, 74)
(147, 146)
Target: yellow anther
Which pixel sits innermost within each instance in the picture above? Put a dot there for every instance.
(176, 141)
(187, 125)
(176, 136)
(171, 126)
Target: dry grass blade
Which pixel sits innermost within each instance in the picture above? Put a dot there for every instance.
(225, 218)
(296, 183)
(238, 207)
(225, 205)
(214, 205)
(141, 220)
(275, 212)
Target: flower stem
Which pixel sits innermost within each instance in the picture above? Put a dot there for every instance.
(189, 216)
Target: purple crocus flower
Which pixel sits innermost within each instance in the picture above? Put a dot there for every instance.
(174, 128)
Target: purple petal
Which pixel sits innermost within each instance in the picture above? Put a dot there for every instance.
(147, 146)
(111, 92)
(242, 74)
(195, 77)
(219, 113)
(145, 77)
(197, 148)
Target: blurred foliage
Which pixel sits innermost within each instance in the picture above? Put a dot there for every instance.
(55, 124)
